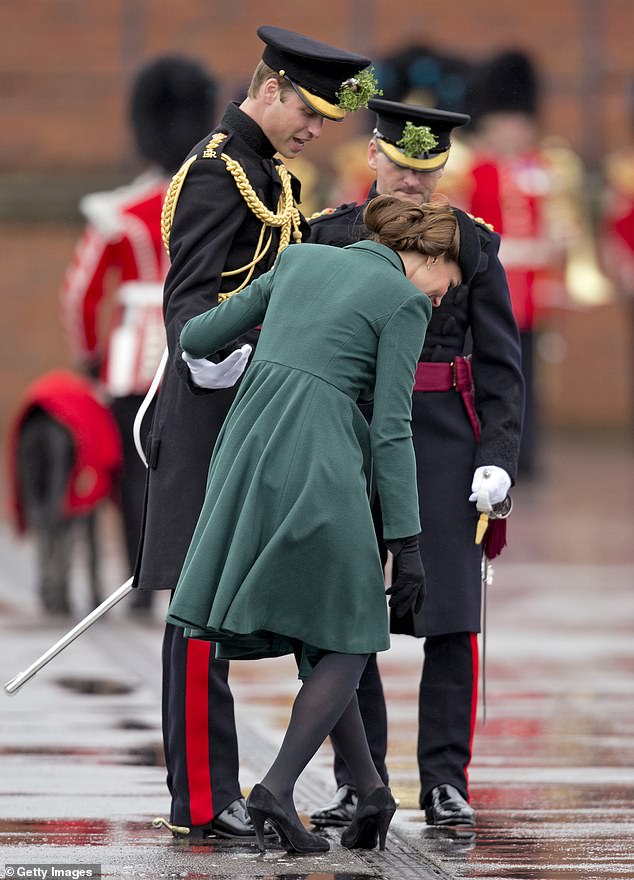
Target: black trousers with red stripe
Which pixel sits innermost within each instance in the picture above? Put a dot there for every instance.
(447, 705)
(199, 730)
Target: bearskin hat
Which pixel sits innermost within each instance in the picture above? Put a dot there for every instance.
(506, 83)
(172, 107)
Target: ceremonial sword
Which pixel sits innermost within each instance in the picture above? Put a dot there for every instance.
(487, 511)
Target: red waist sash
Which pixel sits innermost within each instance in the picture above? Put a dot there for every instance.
(457, 376)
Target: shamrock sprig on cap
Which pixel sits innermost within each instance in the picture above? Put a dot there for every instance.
(417, 139)
(357, 91)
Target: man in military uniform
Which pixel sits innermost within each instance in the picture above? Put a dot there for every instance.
(455, 450)
(230, 209)
(172, 104)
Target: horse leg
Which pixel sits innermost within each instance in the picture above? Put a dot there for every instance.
(45, 460)
(92, 542)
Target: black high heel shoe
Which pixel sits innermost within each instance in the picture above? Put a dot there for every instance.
(371, 820)
(263, 806)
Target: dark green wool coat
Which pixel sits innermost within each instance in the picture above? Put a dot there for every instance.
(285, 549)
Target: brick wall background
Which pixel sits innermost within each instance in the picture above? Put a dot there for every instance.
(65, 68)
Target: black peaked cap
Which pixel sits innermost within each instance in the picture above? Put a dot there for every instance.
(318, 68)
(392, 117)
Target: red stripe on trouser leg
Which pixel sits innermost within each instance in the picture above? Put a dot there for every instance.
(196, 735)
(474, 700)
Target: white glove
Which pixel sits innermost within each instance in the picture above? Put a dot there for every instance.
(224, 374)
(490, 486)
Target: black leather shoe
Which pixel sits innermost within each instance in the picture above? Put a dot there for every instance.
(339, 811)
(233, 823)
(444, 805)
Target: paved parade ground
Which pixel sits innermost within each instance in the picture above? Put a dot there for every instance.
(552, 780)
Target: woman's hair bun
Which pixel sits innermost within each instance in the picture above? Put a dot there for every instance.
(430, 229)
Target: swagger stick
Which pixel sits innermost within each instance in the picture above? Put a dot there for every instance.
(14, 685)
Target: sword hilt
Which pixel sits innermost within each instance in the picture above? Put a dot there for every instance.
(483, 524)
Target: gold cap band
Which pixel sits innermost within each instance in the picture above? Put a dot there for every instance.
(399, 158)
(319, 105)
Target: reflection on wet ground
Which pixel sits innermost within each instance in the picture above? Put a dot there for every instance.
(150, 755)
(319, 876)
(552, 779)
(97, 686)
(580, 832)
(57, 832)
(98, 837)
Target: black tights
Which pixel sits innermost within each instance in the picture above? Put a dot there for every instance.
(326, 704)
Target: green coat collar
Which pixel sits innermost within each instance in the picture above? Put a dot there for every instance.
(379, 250)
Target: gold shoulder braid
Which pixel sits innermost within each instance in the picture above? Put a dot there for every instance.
(169, 205)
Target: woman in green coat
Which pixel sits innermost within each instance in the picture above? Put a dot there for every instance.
(284, 557)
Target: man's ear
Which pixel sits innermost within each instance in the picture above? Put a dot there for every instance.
(270, 90)
(372, 154)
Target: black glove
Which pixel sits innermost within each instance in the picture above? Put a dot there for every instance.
(408, 589)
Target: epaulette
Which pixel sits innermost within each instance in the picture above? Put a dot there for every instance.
(482, 222)
(210, 151)
(328, 212)
(321, 213)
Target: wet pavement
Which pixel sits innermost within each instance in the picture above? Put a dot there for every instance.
(552, 780)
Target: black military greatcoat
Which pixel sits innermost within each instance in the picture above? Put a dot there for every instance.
(213, 232)
(447, 453)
